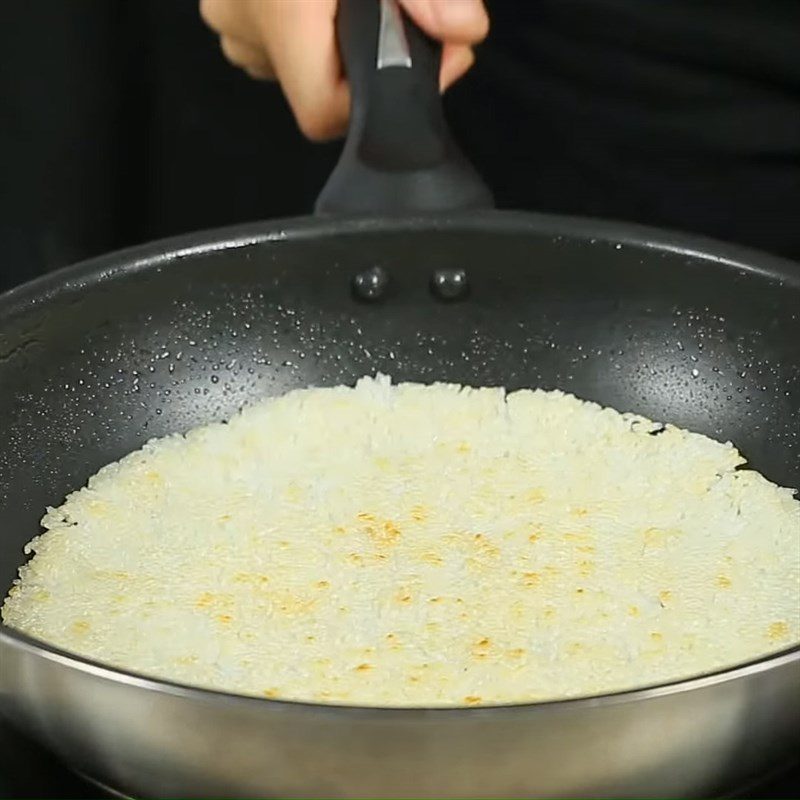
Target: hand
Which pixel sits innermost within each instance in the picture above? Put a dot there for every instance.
(294, 42)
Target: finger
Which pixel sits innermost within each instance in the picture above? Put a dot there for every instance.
(252, 60)
(304, 55)
(455, 21)
(456, 60)
(232, 18)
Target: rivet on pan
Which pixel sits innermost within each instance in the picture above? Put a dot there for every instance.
(371, 284)
(449, 284)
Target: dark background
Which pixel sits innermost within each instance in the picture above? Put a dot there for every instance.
(120, 122)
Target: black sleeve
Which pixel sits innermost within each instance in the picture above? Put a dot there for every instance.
(683, 114)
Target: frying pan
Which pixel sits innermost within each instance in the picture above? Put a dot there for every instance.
(98, 358)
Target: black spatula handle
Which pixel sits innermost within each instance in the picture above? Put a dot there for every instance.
(399, 155)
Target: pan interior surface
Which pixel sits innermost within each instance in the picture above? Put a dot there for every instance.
(135, 347)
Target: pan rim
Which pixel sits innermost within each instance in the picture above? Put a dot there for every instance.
(162, 252)
(9, 637)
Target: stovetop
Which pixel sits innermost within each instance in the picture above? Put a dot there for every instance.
(28, 771)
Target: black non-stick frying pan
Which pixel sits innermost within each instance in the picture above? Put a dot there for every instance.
(98, 358)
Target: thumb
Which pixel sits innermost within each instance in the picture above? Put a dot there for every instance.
(450, 21)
